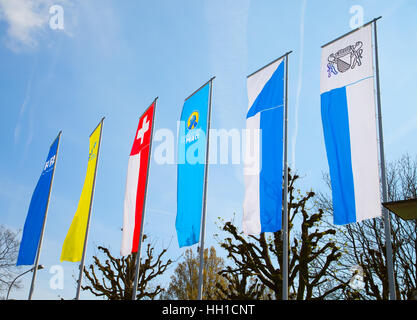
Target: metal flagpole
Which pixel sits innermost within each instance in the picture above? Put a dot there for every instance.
(135, 282)
(387, 224)
(77, 297)
(203, 217)
(285, 196)
(32, 285)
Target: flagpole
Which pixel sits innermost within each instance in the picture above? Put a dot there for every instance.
(386, 215)
(203, 216)
(285, 196)
(77, 297)
(135, 282)
(32, 285)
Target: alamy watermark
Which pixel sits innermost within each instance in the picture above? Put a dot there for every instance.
(56, 20)
(232, 146)
(56, 282)
(356, 20)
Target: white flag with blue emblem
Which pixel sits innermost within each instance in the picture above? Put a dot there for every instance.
(349, 126)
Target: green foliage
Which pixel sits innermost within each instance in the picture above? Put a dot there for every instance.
(184, 281)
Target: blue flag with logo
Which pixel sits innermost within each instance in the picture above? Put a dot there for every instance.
(192, 148)
(37, 210)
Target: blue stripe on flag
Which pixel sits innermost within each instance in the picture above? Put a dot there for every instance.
(335, 120)
(270, 178)
(37, 209)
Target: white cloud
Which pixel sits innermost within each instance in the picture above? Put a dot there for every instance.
(300, 84)
(26, 20)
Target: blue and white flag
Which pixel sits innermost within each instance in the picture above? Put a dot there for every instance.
(192, 149)
(37, 210)
(263, 165)
(349, 126)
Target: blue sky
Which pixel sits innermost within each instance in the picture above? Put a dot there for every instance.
(114, 57)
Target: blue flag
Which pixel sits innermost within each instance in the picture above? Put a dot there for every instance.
(37, 210)
(192, 148)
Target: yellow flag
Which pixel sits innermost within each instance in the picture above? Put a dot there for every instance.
(72, 249)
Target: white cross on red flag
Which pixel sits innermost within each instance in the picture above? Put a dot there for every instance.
(136, 183)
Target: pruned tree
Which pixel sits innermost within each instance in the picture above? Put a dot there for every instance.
(242, 287)
(9, 250)
(184, 281)
(312, 252)
(364, 242)
(113, 278)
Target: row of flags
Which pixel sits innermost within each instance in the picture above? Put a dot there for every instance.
(349, 125)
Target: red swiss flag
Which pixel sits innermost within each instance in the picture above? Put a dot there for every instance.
(141, 146)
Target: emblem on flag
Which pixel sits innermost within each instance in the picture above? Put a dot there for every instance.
(192, 120)
(49, 165)
(345, 59)
(93, 152)
(143, 129)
